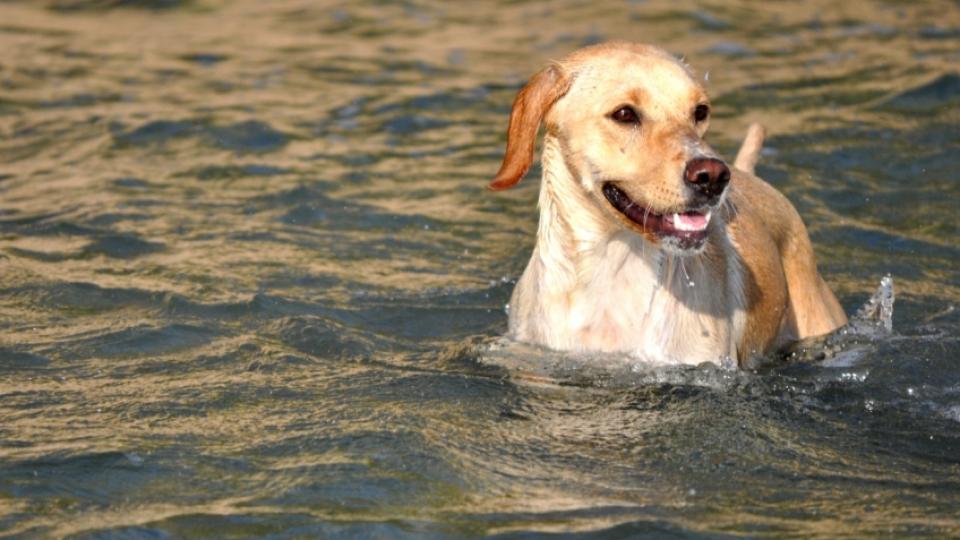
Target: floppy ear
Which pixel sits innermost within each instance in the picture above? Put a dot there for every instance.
(532, 103)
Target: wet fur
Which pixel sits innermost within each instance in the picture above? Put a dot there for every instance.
(597, 281)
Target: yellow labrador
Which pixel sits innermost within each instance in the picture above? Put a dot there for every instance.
(648, 243)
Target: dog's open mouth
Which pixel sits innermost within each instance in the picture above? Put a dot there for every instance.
(686, 230)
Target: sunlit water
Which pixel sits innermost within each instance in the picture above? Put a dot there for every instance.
(250, 275)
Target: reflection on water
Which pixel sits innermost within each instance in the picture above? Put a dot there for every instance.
(248, 259)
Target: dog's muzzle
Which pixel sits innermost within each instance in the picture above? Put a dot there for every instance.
(683, 230)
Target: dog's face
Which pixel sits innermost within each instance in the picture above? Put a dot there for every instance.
(630, 121)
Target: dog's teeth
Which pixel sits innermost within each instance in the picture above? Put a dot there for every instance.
(707, 216)
(690, 222)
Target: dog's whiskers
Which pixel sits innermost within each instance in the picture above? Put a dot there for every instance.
(728, 205)
(643, 250)
(683, 267)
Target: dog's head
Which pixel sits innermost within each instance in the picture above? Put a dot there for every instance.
(630, 121)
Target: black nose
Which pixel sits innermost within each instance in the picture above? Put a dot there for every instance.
(707, 176)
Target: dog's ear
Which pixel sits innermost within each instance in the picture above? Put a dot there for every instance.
(532, 103)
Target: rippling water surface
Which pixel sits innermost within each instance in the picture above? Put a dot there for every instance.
(248, 263)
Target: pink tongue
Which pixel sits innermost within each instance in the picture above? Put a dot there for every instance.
(691, 220)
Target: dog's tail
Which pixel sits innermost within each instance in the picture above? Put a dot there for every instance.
(750, 149)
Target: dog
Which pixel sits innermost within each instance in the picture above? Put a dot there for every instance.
(648, 243)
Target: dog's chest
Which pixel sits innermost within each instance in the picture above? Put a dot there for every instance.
(675, 311)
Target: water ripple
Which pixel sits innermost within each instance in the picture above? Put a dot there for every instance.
(252, 280)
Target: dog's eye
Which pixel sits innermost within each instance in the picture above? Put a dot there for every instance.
(626, 115)
(701, 113)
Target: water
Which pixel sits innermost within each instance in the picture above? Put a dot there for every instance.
(251, 276)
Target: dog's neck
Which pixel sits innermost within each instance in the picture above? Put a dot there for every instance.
(593, 285)
(576, 239)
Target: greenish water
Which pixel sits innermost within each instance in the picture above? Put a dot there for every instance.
(247, 252)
